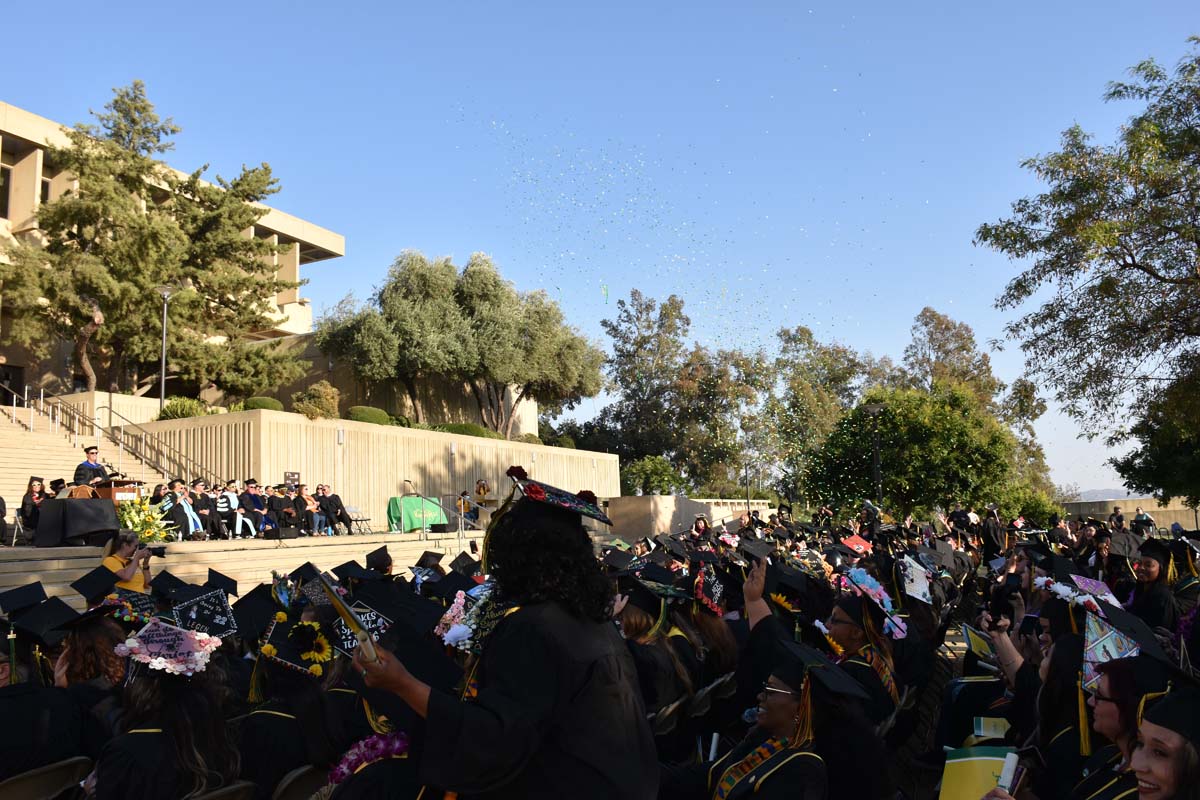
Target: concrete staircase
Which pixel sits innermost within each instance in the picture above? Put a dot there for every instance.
(50, 455)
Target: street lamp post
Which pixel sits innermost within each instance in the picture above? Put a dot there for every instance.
(165, 291)
(875, 409)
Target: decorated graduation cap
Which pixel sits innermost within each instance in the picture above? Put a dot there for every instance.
(96, 584)
(708, 589)
(218, 581)
(170, 649)
(449, 585)
(583, 503)
(15, 602)
(868, 604)
(205, 610)
(301, 646)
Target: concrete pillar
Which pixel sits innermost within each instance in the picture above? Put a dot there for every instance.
(25, 192)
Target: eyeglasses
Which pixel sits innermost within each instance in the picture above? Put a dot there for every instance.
(766, 687)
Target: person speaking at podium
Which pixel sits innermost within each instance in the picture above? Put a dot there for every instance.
(90, 472)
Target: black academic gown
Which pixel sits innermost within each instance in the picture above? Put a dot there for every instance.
(272, 745)
(557, 715)
(1186, 592)
(41, 726)
(100, 708)
(1101, 779)
(141, 763)
(1063, 765)
(880, 704)
(87, 471)
(787, 775)
(1154, 604)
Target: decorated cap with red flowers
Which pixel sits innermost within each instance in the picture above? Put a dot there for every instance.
(584, 503)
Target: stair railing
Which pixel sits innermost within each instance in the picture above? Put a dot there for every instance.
(156, 450)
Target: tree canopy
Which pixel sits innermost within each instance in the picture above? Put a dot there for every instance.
(431, 319)
(130, 225)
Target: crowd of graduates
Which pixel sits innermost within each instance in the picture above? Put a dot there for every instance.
(771, 658)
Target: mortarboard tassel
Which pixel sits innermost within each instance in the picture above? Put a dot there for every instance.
(804, 720)
(1071, 617)
(12, 657)
(1085, 734)
(1172, 573)
(255, 695)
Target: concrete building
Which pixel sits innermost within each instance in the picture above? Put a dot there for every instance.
(28, 179)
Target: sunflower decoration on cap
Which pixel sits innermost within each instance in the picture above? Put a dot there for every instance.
(299, 645)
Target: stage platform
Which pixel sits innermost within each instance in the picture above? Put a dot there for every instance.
(248, 561)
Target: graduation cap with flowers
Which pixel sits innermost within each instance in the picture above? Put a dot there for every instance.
(297, 644)
(583, 502)
(173, 650)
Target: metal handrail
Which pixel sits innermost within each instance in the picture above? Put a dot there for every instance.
(169, 452)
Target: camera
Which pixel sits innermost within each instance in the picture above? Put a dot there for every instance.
(158, 552)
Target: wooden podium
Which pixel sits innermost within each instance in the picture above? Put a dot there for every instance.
(119, 490)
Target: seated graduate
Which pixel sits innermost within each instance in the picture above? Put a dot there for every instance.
(862, 624)
(551, 708)
(1165, 759)
(93, 674)
(175, 741)
(42, 724)
(1153, 599)
(297, 724)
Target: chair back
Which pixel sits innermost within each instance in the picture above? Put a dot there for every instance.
(300, 784)
(46, 782)
(239, 790)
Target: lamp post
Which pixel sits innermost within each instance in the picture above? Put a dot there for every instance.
(874, 410)
(165, 291)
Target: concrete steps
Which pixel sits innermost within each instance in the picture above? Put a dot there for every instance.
(50, 455)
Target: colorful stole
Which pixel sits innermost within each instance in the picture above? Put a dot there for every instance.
(878, 663)
(741, 769)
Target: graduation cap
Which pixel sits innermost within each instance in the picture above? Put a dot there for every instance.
(1179, 711)
(254, 611)
(57, 485)
(140, 602)
(419, 614)
(218, 581)
(702, 557)
(465, 565)
(207, 611)
(96, 584)
(617, 560)
(642, 597)
(450, 585)
(1125, 544)
(379, 560)
(709, 590)
(15, 602)
(673, 546)
(304, 647)
(165, 584)
(795, 662)
(45, 623)
(657, 573)
(352, 570)
(1159, 550)
(430, 559)
(583, 503)
(757, 548)
(305, 572)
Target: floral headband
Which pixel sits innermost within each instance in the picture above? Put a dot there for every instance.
(859, 581)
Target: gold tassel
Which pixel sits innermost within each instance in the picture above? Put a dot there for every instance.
(1085, 733)
(1147, 698)
(1071, 617)
(255, 695)
(378, 722)
(1172, 573)
(12, 657)
(804, 722)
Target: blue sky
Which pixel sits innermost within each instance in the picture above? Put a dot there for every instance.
(773, 163)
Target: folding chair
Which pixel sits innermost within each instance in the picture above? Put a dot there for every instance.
(47, 781)
(360, 523)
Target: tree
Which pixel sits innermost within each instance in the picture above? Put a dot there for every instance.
(131, 225)
(943, 349)
(651, 475)
(1113, 242)
(1166, 459)
(429, 320)
(935, 446)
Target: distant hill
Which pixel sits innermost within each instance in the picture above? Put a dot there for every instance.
(1092, 495)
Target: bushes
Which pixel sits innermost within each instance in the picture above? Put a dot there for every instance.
(466, 429)
(181, 407)
(400, 421)
(265, 403)
(317, 401)
(376, 416)
(529, 438)
(564, 441)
